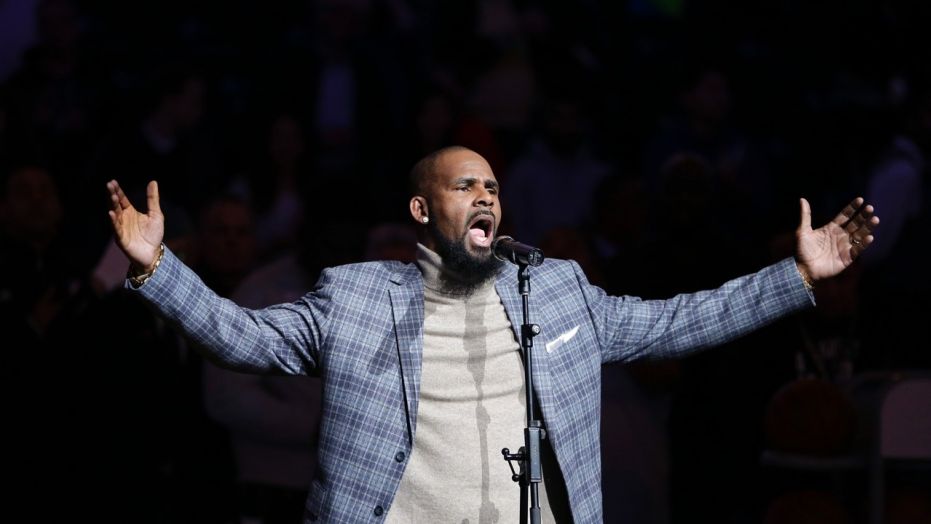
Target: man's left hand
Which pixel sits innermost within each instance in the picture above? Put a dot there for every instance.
(826, 251)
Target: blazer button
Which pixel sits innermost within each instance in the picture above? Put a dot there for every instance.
(379, 511)
(400, 456)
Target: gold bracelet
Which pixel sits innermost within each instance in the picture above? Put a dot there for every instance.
(138, 280)
(809, 285)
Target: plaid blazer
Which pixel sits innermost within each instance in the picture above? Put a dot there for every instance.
(360, 330)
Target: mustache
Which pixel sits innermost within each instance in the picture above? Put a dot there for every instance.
(482, 212)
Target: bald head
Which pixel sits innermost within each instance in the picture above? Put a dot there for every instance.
(421, 174)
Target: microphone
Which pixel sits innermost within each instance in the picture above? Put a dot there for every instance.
(507, 249)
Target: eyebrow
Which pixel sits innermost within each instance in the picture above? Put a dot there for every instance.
(471, 181)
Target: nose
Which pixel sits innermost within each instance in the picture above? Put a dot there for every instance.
(485, 198)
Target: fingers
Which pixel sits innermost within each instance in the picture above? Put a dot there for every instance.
(805, 221)
(859, 233)
(151, 193)
(861, 223)
(858, 221)
(849, 213)
(116, 212)
(863, 220)
(859, 228)
(857, 245)
(118, 199)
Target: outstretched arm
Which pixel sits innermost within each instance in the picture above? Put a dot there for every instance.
(138, 234)
(631, 328)
(283, 338)
(824, 252)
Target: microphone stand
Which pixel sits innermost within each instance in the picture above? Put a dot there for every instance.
(530, 472)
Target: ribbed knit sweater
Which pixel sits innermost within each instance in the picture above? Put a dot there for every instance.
(472, 404)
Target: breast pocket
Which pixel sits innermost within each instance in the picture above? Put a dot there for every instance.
(561, 340)
(573, 355)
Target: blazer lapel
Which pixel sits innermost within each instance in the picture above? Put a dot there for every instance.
(506, 285)
(407, 308)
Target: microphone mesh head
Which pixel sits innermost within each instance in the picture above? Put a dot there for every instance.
(494, 247)
(535, 258)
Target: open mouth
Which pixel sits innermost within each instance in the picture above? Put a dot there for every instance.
(481, 229)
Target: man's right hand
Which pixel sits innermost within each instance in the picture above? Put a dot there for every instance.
(139, 235)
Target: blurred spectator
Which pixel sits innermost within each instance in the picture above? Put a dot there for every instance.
(897, 183)
(895, 283)
(52, 107)
(391, 241)
(348, 83)
(17, 33)
(140, 437)
(686, 220)
(553, 182)
(341, 82)
(572, 244)
(35, 284)
(57, 96)
(225, 251)
(441, 120)
(167, 144)
(502, 99)
(39, 295)
(278, 184)
(620, 232)
(621, 209)
(703, 125)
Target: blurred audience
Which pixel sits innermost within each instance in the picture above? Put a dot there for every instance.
(656, 177)
(168, 144)
(895, 284)
(277, 184)
(552, 183)
(34, 285)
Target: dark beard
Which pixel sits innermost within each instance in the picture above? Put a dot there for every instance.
(462, 272)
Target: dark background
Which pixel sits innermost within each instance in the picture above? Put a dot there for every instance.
(663, 144)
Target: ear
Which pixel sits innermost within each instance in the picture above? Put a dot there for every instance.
(419, 209)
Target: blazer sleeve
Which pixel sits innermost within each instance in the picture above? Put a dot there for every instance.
(284, 338)
(629, 328)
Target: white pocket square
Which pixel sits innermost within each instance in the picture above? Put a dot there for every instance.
(561, 339)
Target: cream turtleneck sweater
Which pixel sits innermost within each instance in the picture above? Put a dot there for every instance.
(472, 404)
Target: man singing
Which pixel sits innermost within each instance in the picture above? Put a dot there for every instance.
(420, 363)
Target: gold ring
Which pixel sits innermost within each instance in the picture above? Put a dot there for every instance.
(854, 241)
